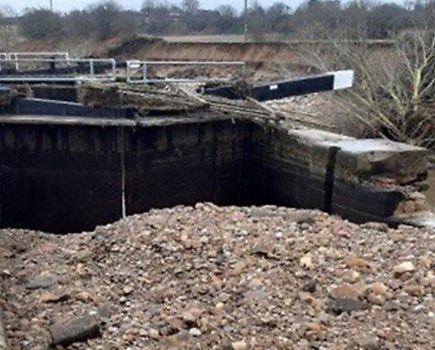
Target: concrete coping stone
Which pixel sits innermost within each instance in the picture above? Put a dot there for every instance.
(104, 122)
(362, 156)
(352, 145)
(426, 220)
(356, 146)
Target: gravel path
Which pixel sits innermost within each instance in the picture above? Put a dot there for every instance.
(221, 278)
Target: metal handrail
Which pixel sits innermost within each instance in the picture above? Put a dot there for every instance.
(35, 54)
(143, 66)
(49, 54)
(110, 76)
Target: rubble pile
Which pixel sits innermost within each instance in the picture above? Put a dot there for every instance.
(320, 110)
(208, 277)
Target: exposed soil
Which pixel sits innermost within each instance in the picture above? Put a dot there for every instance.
(265, 60)
(224, 278)
(151, 48)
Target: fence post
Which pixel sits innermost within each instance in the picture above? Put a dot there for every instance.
(144, 72)
(91, 67)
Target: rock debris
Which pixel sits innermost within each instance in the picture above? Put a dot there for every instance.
(209, 277)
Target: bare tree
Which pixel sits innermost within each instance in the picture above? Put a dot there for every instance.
(8, 28)
(395, 83)
(190, 6)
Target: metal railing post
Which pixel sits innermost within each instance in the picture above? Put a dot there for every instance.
(144, 72)
(113, 69)
(17, 66)
(92, 68)
(128, 71)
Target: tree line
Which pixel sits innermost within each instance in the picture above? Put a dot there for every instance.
(318, 18)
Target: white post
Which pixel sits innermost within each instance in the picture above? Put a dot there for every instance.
(17, 65)
(144, 72)
(91, 67)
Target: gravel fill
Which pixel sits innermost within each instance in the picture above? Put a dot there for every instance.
(209, 277)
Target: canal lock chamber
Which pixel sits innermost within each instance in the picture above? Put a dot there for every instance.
(70, 177)
(71, 173)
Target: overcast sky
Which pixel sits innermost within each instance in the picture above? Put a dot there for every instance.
(66, 5)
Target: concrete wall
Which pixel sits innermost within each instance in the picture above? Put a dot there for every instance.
(66, 178)
(71, 176)
(317, 169)
(184, 164)
(58, 177)
(288, 172)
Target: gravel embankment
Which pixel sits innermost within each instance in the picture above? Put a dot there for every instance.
(221, 278)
